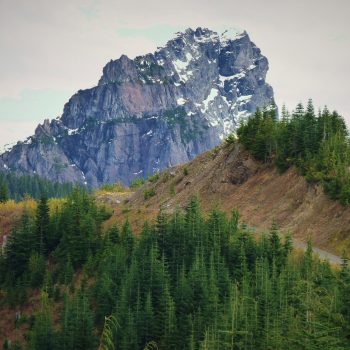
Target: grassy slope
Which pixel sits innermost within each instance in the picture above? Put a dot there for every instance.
(230, 178)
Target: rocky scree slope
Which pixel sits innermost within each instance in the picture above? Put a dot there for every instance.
(149, 113)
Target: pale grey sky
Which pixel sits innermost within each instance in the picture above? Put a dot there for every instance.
(50, 49)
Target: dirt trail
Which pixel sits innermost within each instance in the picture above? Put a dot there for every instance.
(324, 255)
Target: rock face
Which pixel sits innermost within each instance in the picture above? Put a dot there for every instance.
(151, 112)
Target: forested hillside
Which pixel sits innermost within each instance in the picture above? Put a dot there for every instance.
(17, 187)
(293, 170)
(317, 144)
(189, 281)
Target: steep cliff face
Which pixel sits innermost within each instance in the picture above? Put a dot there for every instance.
(151, 112)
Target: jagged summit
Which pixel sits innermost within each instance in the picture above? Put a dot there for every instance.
(205, 35)
(150, 112)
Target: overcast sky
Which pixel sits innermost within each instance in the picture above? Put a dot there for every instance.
(50, 49)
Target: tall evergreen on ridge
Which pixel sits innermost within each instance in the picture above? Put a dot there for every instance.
(4, 192)
(42, 225)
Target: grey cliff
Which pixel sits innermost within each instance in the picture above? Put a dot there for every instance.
(149, 113)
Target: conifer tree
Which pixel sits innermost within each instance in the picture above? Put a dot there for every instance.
(4, 192)
(127, 237)
(162, 231)
(42, 225)
(77, 324)
(36, 267)
(114, 234)
(147, 322)
(42, 336)
(20, 244)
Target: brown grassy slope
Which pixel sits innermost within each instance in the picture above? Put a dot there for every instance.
(10, 214)
(230, 178)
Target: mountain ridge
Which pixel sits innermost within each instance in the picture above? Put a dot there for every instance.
(149, 113)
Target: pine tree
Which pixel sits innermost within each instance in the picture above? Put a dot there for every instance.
(114, 234)
(184, 307)
(344, 286)
(77, 324)
(4, 192)
(127, 237)
(147, 322)
(67, 272)
(42, 335)
(276, 253)
(42, 225)
(162, 231)
(166, 318)
(36, 269)
(20, 244)
(104, 298)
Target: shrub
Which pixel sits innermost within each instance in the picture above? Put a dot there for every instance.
(148, 193)
(154, 178)
(117, 187)
(166, 176)
(172, 190)
(137, 182)
(125, 210)
(230, 139)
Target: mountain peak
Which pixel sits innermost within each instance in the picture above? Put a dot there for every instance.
(202, 35)
(151, 112)
(205, 35)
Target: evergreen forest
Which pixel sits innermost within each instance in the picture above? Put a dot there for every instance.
(316, 143)
(188, 281)
(17, 187)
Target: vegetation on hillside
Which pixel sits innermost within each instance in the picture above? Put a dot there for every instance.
(187, 282)
(17, 187)
(317, 144)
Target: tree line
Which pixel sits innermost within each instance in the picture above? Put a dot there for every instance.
(316, 143)
(17, 187)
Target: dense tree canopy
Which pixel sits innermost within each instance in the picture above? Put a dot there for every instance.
(189, 281)
(17, 187)
(317, 144)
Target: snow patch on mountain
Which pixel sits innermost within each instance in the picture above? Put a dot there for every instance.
(211, 97)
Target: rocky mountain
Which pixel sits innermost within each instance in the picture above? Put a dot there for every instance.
(151, 112)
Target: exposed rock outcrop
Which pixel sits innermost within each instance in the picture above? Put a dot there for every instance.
(149, 113)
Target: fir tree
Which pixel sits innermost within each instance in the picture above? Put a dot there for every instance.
(4, 192)
(42, 225)
(42, 336)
